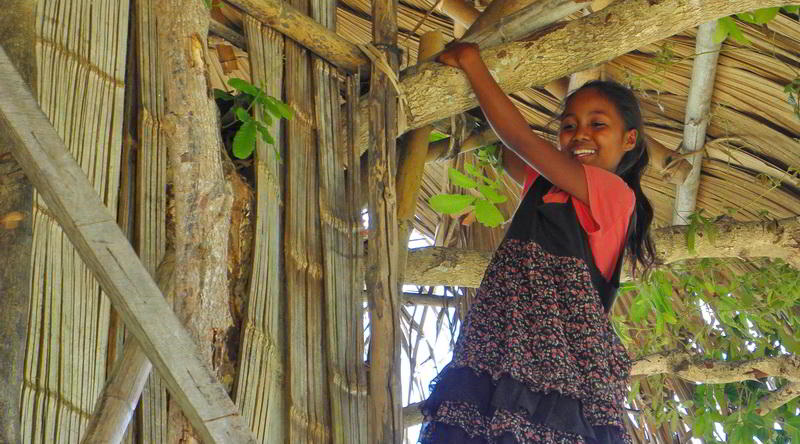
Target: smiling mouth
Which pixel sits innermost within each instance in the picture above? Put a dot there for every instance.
(583, 153)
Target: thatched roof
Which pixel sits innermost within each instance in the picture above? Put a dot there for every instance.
(753, 141)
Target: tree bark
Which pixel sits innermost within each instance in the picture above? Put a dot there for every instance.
(773, 239)
(717, 372)
(436, 91)
(385, 423)
(202, 198)
(16, 230)
(507, 21)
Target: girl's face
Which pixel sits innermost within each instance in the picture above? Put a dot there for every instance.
(593, 132)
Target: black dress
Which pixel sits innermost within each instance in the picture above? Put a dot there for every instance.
(536, 360)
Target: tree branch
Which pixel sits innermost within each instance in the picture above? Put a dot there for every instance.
(717, 372)
(773, 239)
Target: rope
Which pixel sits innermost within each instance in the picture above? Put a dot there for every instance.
(379, 61)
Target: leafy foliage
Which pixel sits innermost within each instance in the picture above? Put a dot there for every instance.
(484, 207)
(713, 309)
(251, 128)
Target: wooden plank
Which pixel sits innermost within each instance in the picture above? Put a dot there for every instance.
(101, 244)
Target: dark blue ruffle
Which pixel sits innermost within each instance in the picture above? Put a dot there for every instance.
(462, 384)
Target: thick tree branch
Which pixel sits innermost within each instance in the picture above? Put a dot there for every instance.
(717, 372)
(437, 91)
(773, 239)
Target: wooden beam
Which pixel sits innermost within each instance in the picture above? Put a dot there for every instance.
(773, 239)
(301, 28)
(460, 11)
(505, 21)
(100, 243)
(695, 122)
(385, 422)
(435, 91)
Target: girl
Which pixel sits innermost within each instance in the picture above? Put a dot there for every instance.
(537, 360)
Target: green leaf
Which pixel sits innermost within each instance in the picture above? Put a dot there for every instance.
(244, 141)
(436, 136)
(244, 86)
(266, 118)
(487, 213)
(457, 178)
(222, 95)
(640, 308)
(242, 115)
(720, 33)
(470, 169)
(279, 109)
(450, 203)
(491, 195)
(764, 15)
(265, 135)
(792, 9)
(732, 29)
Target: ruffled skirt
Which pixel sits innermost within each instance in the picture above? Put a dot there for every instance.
(536, 361)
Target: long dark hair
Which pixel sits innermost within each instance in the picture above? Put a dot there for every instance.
(631, 167)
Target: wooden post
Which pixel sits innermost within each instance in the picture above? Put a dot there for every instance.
(74, 204)
(385, 419)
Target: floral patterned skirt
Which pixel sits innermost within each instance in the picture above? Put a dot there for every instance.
(536, 360)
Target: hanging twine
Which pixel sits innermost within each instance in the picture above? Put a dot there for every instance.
(379, 61)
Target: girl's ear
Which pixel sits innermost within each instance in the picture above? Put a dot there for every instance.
(629, 139)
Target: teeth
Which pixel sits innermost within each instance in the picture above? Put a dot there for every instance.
(580, 152)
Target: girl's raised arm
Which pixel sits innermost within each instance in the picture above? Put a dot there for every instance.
(559, 168)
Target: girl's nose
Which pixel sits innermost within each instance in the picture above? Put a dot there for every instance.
(582, 133)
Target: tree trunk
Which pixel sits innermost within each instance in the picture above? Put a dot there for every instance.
(385, 414)
(202, 198)
(774, 239)
(436, 91)
(16, 231)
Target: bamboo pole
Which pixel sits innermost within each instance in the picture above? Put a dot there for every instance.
(342, 248)
(385, 418)
(698, 107)
(309, 413)
(460, 11)
(151, 199)
(261, 392)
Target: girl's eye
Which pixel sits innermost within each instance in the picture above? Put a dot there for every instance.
(598, 124)
(567, 126)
